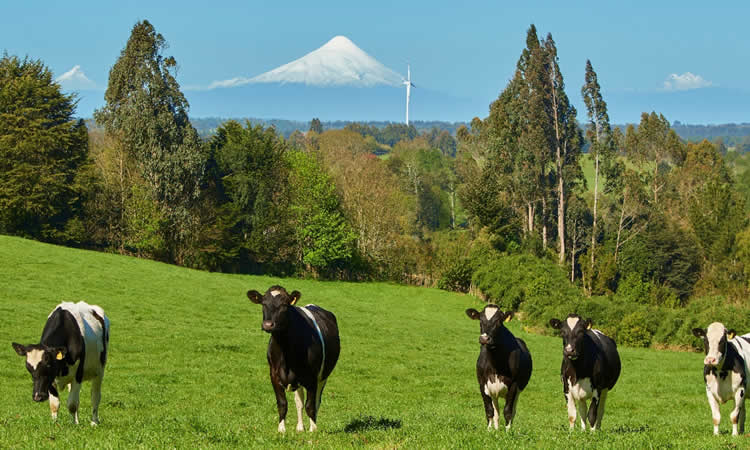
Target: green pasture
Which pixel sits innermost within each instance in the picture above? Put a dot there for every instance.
(187, 367)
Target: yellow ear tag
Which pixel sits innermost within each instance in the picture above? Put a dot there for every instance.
(731, 336)
(588, 327)
(508, 318)
(59, 356)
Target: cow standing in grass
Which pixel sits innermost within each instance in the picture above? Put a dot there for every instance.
(725, 371)
(590, 369)
(302, 351)
(73, 349)
(503, 366)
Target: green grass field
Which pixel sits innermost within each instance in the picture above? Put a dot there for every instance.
(187, 367)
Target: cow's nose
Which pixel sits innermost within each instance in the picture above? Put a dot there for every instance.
(267, 325)
(484, 339)
(710, 361)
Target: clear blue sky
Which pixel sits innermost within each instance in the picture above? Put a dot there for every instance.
(466, 49)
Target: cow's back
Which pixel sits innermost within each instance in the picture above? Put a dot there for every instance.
(328, 325)
(94, 326)
(742, 345)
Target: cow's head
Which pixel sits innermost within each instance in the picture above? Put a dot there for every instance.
(715, 339)
(572, 330)
(276, 302)
(490, 322)
(43, 363)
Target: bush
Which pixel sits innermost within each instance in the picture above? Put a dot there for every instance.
(457, 277)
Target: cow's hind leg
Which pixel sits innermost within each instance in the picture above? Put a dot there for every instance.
(74, 400)
(96, 397)
(511, 400)
(739, 407)
(595, 421)
(312, 405)
(299, 401)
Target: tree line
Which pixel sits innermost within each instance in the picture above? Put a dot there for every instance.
(642, 215)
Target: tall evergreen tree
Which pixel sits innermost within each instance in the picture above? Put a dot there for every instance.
(599, 133)
(43, 150)
(567, 141)
(146, 110)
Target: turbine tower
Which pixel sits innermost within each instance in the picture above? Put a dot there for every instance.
(409, 85)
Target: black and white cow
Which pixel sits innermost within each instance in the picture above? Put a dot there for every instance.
(503, 366)
(725, 371)
(73, 349)
(302, 351)
(590, 369)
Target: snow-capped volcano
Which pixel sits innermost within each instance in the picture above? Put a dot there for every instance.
(338, 63)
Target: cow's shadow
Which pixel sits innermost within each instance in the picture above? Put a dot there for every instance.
(368, 423)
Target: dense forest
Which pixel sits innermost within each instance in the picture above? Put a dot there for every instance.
(644, 230)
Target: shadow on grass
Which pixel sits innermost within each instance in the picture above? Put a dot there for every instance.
(631, 429)
(367, 423)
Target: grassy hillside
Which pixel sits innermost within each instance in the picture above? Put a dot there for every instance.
(187, 367)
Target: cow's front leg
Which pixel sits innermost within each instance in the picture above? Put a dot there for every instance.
(54, 404)
(581, 409)
(96, 397)
(74, 399)
(490, 412)
(281, 405)
(738, 411)
(299, 401)
(715, 411)
(571, 410)
(511, 400)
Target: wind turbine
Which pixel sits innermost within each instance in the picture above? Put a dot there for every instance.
(409, 85)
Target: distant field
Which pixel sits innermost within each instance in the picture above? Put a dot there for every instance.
(187, 367)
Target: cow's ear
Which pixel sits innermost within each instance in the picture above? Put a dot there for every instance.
(255, 297)
(555, 323)
(731, 334)
(588, 323)
(294, 297)
(472, 313)
(20, 349)
(699, 332)
(508, 316)
(59, 353)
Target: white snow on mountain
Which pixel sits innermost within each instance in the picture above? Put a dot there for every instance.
(338, 63)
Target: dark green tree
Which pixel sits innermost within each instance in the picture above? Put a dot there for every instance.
(316, 126)
(43, 154)
(148, 113)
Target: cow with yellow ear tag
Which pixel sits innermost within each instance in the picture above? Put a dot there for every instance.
(504, 364)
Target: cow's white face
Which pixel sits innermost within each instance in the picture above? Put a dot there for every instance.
(715, 341)
(43, 363)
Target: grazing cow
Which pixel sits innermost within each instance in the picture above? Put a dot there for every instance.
(73, 348)
(503, 366)
(725, 371)
(590, 368)
(302, 351)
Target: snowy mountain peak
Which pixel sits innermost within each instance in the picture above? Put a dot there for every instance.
(337, 63)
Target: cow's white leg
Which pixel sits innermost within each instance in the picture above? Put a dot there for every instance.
(739, 406)
(571, 410)
(54, 405)
(599, 410)
(496, 417)
(96, 397)
(715, 411)
(74, 400)
(299, 401)
(282, 427)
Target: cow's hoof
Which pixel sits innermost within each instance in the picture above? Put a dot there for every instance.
(282, 427)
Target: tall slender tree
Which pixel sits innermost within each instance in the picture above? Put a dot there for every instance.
(599, 134)
(146, 110)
